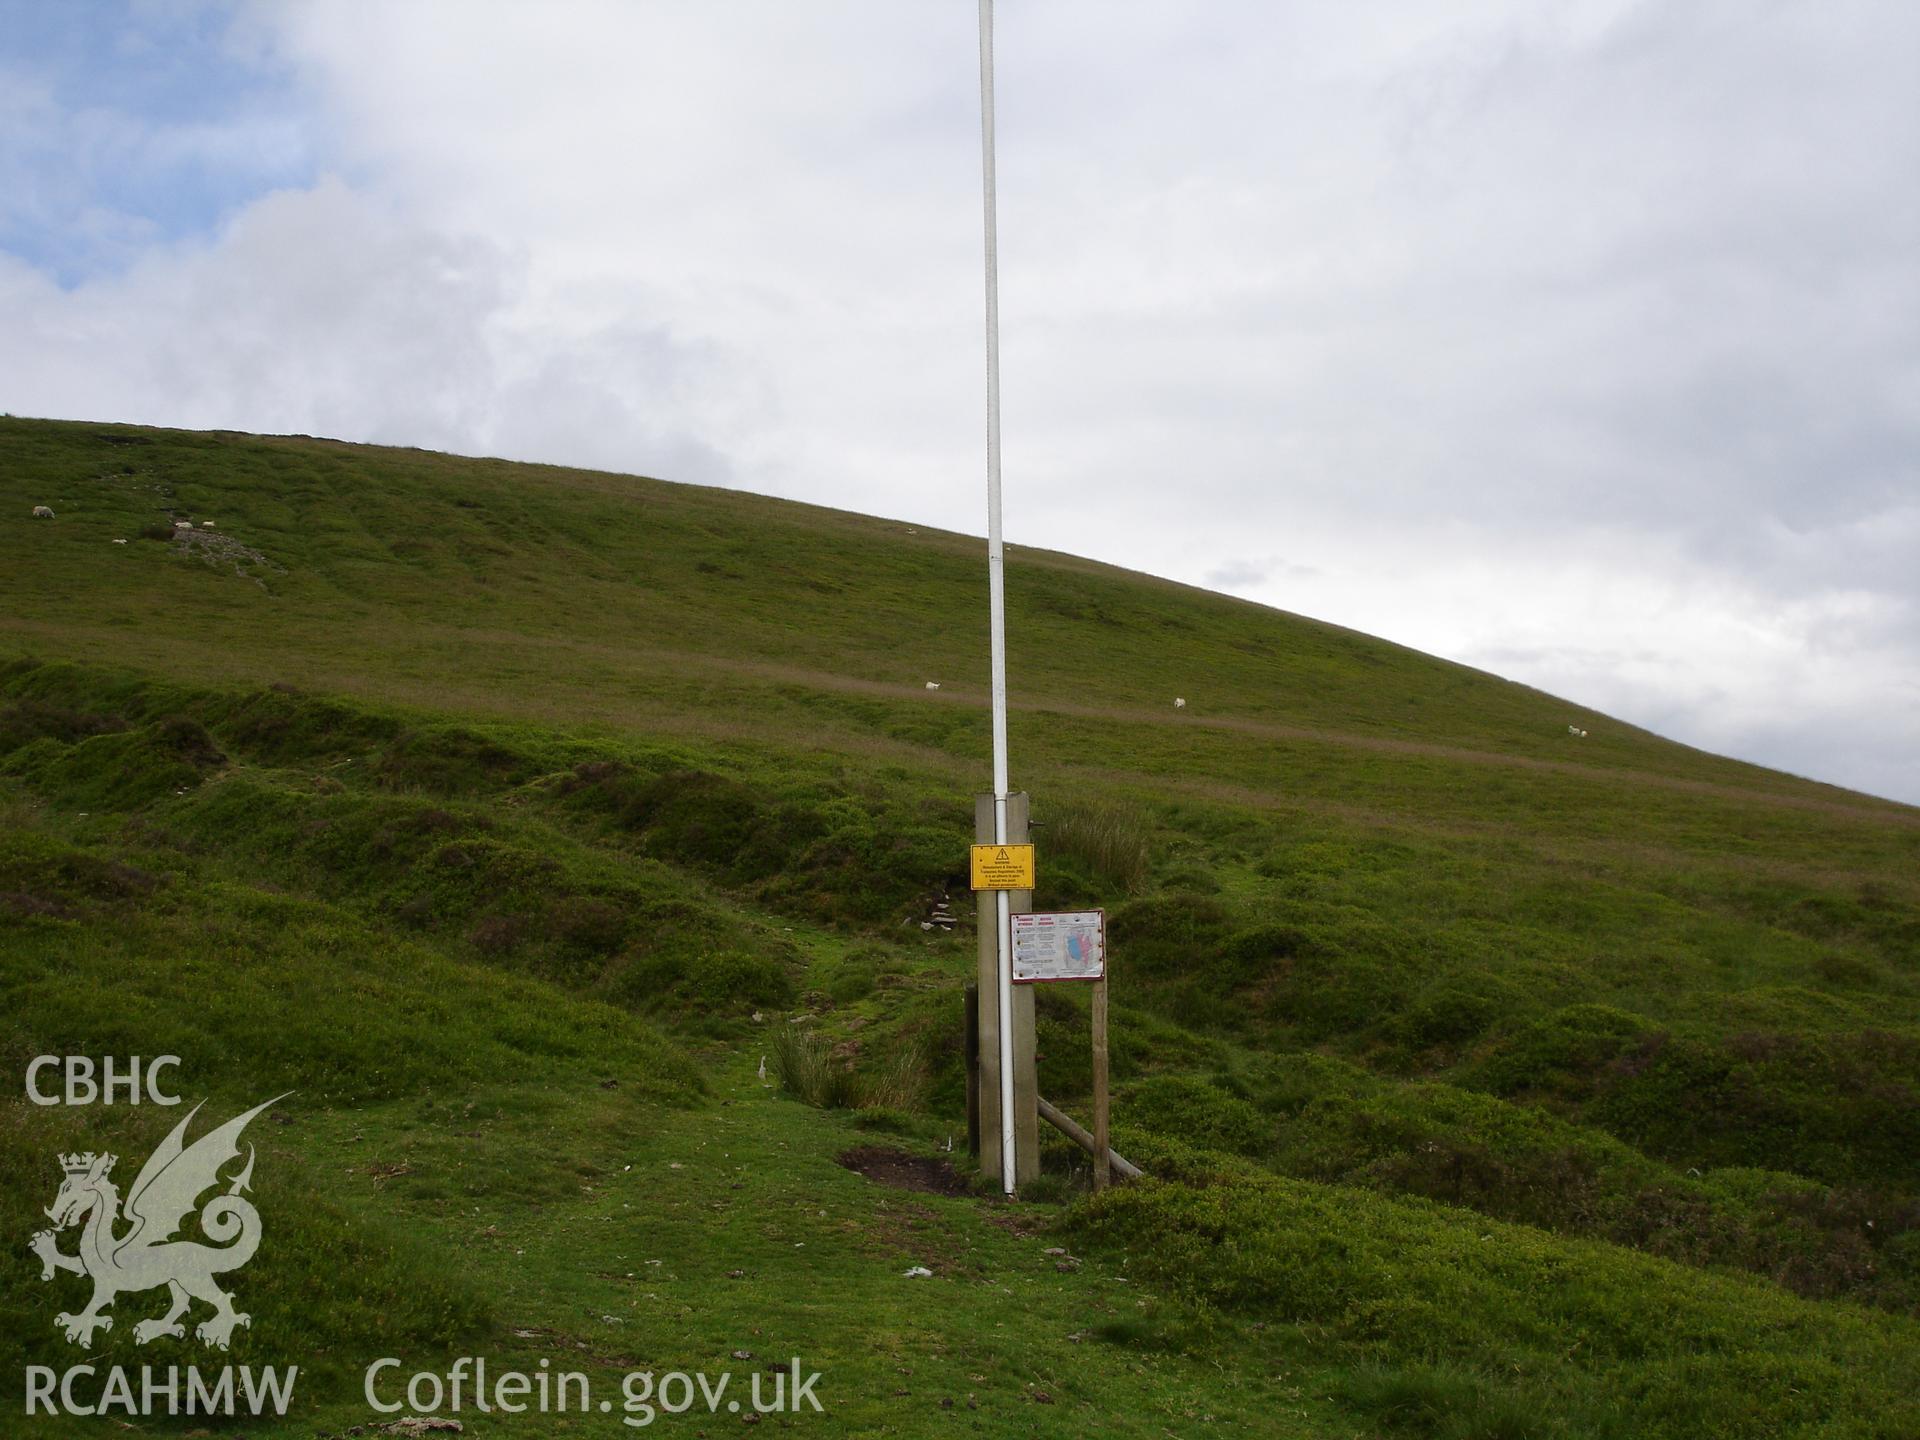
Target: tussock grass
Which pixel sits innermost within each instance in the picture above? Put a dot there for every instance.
(895, 1080)
(804, 1062)
(1108, 837)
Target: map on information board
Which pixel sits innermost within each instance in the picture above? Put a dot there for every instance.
(1069, 945)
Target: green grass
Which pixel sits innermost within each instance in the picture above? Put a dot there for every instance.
(1495, 1083)
(1586, 1339)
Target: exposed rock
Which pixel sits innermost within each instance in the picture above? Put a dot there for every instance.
(217, 548)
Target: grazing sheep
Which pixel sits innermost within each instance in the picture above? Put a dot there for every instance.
(119, 542)
(183, 524)
(42, 512)
(1179, 702)
(933, 684)
(206, 524)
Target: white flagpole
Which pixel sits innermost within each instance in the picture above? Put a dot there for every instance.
(997, 598)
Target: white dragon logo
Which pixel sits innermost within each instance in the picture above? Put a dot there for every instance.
(145, 1256)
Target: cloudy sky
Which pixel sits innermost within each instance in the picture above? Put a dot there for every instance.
(1579, 341)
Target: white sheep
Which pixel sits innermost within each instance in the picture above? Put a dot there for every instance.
(119, 542)
(42, 512)
(933, 684)
(206, 524)
(1179, 702)
(183, 524)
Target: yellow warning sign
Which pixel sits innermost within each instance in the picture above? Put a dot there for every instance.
(1003, 867)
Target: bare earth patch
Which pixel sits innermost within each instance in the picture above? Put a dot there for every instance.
(900, 1171)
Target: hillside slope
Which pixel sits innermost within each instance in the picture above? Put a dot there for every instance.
(635, 770)
(579, 595)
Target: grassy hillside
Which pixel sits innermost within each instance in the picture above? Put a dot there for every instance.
(1494, 1081)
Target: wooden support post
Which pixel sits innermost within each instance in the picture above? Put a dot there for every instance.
(1078, 1133)
(1102, 1172)
(1026, 1081)
(972, 1050)
(986, 1088)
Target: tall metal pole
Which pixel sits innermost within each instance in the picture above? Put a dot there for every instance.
(997, 598)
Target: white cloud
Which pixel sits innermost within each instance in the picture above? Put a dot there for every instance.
(315, 310)
(324, 311)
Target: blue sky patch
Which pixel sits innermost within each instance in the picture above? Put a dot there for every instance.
(127, 124)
